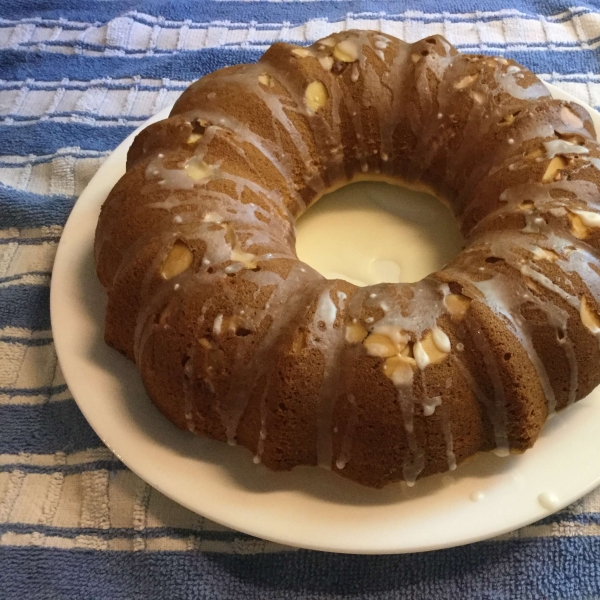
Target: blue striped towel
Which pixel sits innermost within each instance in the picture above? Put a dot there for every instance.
(75, 79)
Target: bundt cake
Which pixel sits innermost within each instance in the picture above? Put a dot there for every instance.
(238, 340)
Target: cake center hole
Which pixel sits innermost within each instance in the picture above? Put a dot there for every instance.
(371, 232)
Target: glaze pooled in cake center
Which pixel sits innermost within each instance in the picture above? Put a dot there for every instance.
(372, 232)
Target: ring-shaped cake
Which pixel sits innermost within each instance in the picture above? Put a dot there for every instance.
(238, 340)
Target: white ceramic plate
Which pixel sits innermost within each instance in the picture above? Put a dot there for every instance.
(308, 507)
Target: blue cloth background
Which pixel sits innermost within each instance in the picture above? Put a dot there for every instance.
(76, 76)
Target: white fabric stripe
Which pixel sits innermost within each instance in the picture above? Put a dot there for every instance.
(19, 259)
(552, 530)
(162, 544)
(28, 279)
(172, 85)
(239, 43)
(11, 494)
(407, 14)
(7, 254)
(28, 367)
(94, 508)
(83, 119)
(21, 332)
(16, 160)
(144, 34)
(120, 500)
(123, 501)
(34, 487)
(53, 492)
(102, 107)
(140, 514)
(588, 92)
(23, 365)
(30, 233)
(195, 542)
(60, 458)
(32, 400)
(63, 175)
(123, 489)
(108, 82)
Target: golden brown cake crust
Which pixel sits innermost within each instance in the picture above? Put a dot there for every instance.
(238, 340)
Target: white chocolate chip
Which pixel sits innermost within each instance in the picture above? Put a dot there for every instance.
(429, 347)
(441, 340)
(508, 119)
(329, 42)
(402, 374)
(265, 79)
(553, 169)
(177, 261)
(570, 118)
(399, 337)
(543, 254)
(316, 96)
(399, 370)
(457, 305)
(465, 82)
(246, 258)
(421, 357)
(326, 62)
(578, 227)
(212, 217)
(355, 333)
(193, 138)
(535, 153)
(217, 325)
(198, 170)
(301, 52)
(559, 211)
(346, 51)
(478, 97)
(380, 345)
(588, 218)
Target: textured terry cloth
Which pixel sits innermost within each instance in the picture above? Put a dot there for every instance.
(77, 76)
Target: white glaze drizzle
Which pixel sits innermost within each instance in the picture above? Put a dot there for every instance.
(555, 147)
(330, 341)
(346, 444)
